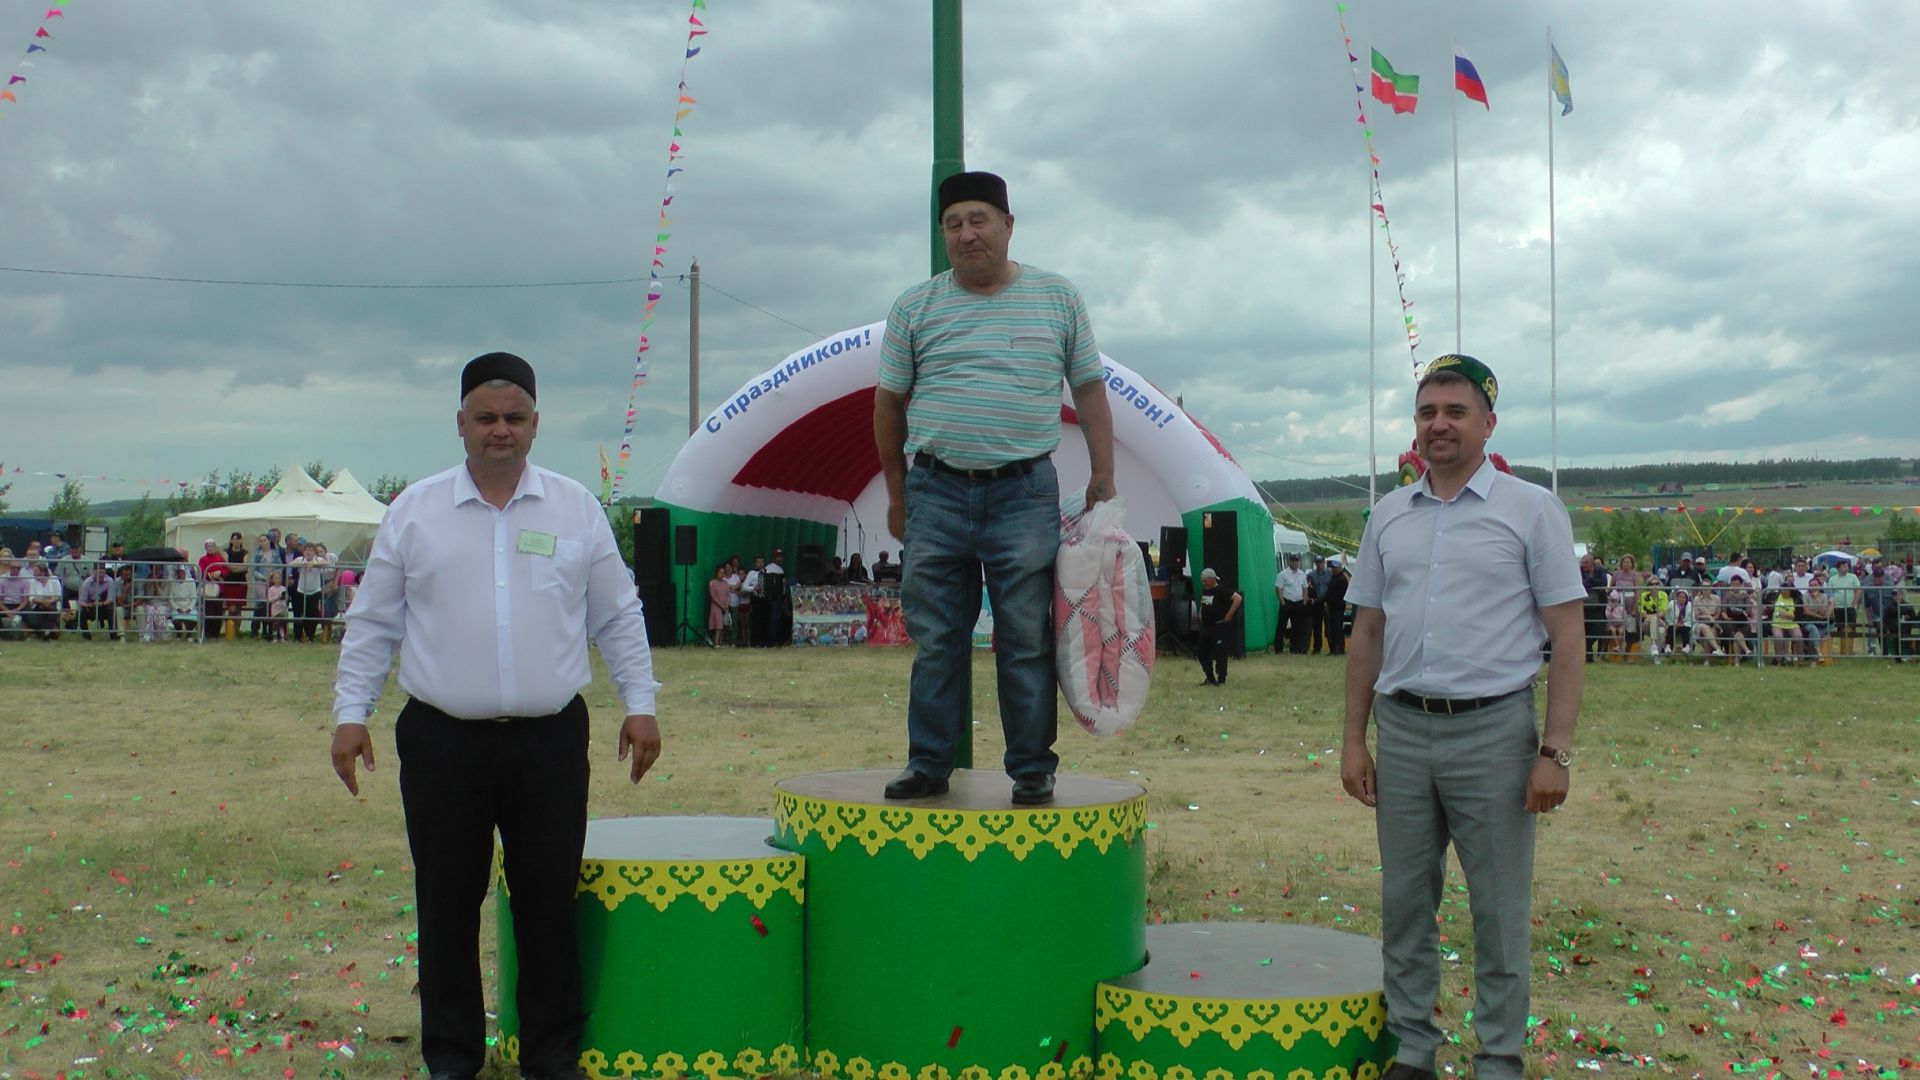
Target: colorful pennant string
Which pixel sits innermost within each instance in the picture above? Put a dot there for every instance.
(663, 231)
(1377, 197)
(34, 45)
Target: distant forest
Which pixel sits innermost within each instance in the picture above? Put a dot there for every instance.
(1692, 474)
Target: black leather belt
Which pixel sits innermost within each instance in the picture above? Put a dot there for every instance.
(924, 460)
(1449, 706)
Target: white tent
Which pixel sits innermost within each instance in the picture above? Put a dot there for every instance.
(298, 504)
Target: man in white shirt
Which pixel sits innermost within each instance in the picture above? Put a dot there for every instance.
(1290, 586)
(754, 585)
(490, 578)
(1461, 577)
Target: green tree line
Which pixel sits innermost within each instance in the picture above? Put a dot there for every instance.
(1691, 473)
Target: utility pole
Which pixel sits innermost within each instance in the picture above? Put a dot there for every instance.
(693, 351)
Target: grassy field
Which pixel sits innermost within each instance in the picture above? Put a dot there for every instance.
(186, 889)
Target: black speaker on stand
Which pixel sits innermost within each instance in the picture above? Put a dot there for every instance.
(1220, 547)
(1173, 616)
(653, 572)
(686, 543)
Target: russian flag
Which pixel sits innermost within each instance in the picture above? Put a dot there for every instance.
(1467, 80)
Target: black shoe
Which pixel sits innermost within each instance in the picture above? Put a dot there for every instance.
(1209, 682)
(1400, 1070)
(568, 1073)
(1033, 789)
(450, 1075)
(914, 785)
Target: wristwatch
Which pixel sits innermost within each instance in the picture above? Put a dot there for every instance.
(1562, 758)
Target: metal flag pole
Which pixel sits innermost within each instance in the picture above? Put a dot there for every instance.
(1553, 291)
(1453, 116)
(1372, 291)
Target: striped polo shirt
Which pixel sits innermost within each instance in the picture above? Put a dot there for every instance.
(983, 372)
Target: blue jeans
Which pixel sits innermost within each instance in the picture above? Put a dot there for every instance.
(958, 529)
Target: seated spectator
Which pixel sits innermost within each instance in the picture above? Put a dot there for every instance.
(1684, 575)
(55, 548)
(16, 585)
(885, 571)
(1736, 618)
(1653, 618)
(97, 602)
(1786, 626)
(43, 602)
(1879, 611)
(1679, 620)
(836, 573)
(1704, 614)
(1816, 613)
(856, 570)
(183, 602)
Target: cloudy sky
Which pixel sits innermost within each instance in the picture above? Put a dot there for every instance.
(1733, 244)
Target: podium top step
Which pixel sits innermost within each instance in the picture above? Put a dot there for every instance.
(1255, 961)
(680, 839)
(970, 789)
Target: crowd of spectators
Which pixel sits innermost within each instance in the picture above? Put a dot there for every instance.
(1802, 611)
(284, 588)
(752, 606)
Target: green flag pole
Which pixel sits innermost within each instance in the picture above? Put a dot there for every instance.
(949, 157)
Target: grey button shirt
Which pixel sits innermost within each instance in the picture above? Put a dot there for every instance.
(1462, 581)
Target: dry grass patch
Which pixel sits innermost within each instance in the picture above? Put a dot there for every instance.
(187, 890)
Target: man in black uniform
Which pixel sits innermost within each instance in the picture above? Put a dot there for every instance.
(1219, 621)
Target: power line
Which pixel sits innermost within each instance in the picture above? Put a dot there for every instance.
(325, 284)
(247, 282)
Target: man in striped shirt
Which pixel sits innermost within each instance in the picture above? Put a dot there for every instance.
(970, 373)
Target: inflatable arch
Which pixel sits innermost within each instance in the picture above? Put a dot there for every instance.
(789, 460)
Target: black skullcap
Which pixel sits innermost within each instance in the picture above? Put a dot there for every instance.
(496, 365)
(974, 187)
(1477, 373)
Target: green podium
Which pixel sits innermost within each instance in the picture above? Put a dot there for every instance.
(960, 937)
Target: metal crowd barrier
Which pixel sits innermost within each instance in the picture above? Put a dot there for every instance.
(149, 601)
(1734, 624)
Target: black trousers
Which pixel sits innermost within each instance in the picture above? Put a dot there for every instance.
(1216, 645)
(459, 781)
(1333, 619)
(1293, 627)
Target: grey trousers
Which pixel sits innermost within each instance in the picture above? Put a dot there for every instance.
(1458, 780)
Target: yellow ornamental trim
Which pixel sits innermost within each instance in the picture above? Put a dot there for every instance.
(708, 882)
(1144, 1070)
(968, 831)
(827, 1064)
(710, 1064)
(1236, 1021)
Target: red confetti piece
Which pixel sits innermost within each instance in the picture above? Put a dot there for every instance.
(1839, 1017)
(1193, 974)
(1060, 1053)
(759, 926)
(953, 1040)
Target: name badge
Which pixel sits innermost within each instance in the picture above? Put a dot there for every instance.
(535, 543)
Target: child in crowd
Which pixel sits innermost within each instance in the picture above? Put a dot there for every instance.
(276, 608)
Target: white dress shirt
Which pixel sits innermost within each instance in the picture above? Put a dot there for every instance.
(1462, 581)
(487, 621)
(1292, 583)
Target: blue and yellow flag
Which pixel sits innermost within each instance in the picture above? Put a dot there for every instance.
(1561, 89)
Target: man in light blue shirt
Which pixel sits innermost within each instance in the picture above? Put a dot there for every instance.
(1461, 578)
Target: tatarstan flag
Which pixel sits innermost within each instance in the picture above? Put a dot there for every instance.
(1400, 91)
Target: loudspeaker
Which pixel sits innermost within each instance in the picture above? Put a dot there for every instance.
(657, 602)
(1146, 556)
(1173, 551)
(813, 565)
(652, 554)
(686, 541)
(1220, 545)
